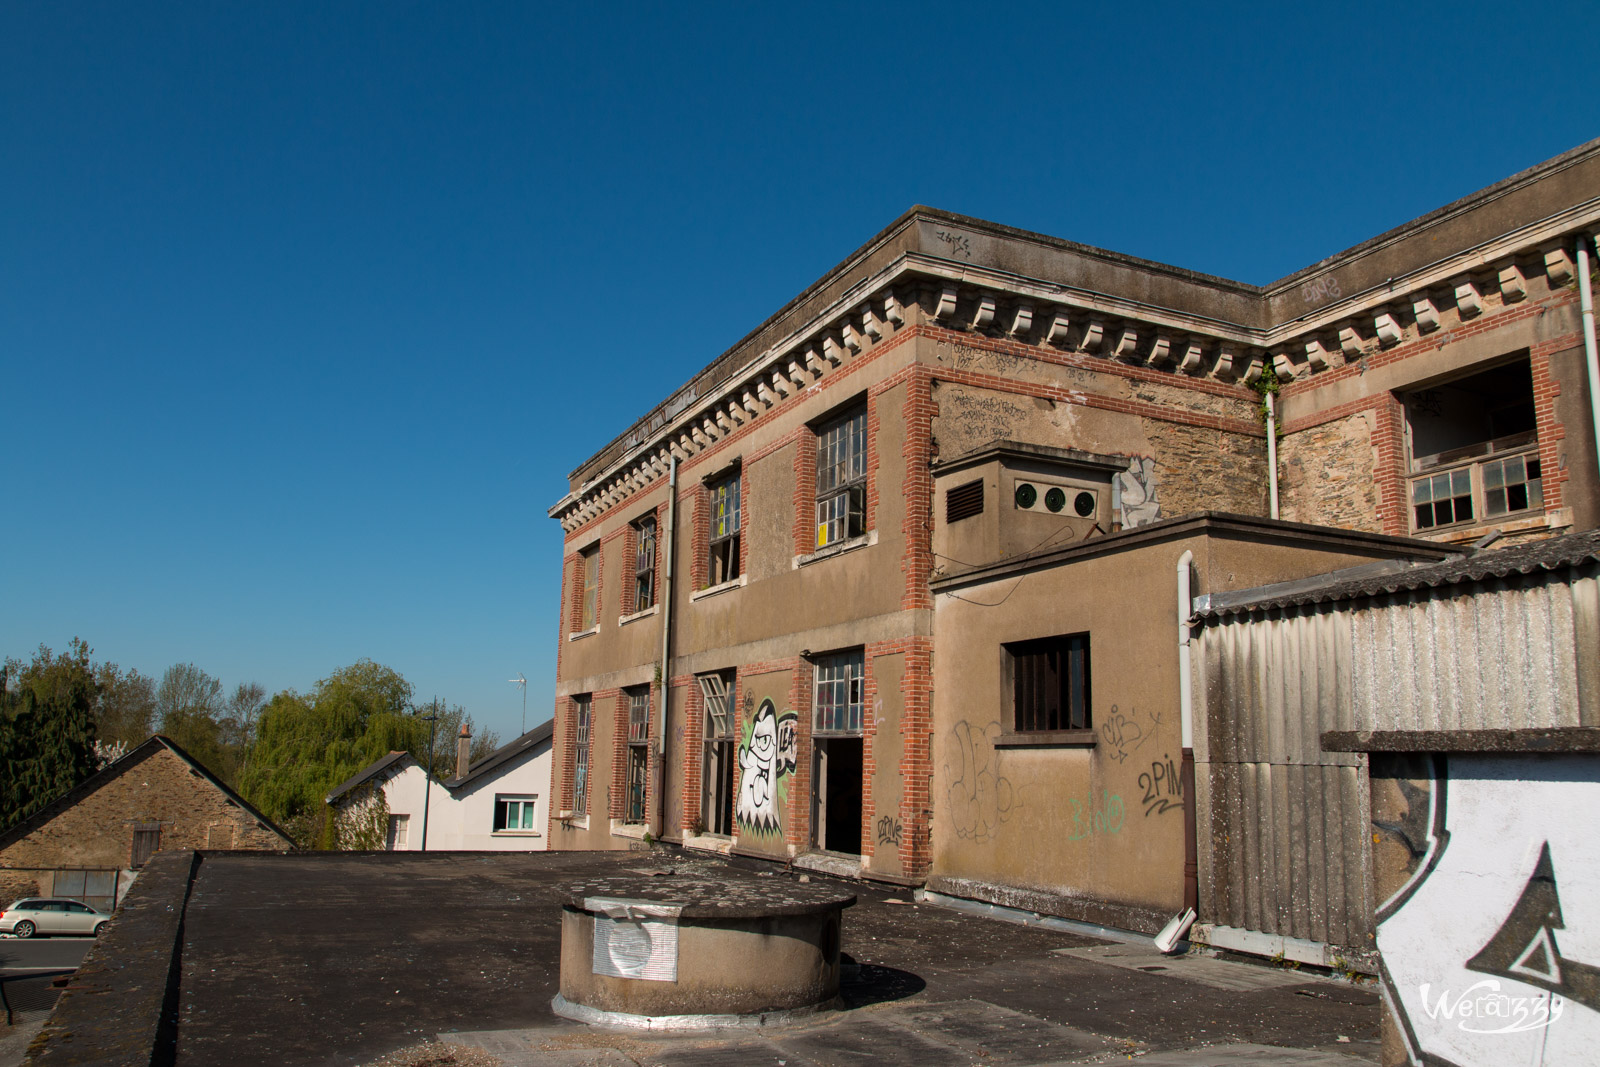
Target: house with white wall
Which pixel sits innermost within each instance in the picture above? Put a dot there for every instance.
(499, 803)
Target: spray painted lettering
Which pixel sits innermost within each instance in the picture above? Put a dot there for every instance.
(1163, 789)
(889, 831)
(1320, 289)
(1096, 818)
(1124, 734)
(980, 797)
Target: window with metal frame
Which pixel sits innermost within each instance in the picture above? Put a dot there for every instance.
(1050, 683)
(838, 695)
(725, 525)
(644, 563)
(720, 693)
(638, 751)
(589, 561)
(580, 775)
(842, 478)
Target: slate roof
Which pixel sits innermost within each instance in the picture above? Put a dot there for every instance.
(129, 760)
(521, 746)
(367, 773)
(1399, 576)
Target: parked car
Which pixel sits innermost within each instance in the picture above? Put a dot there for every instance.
(50, 915)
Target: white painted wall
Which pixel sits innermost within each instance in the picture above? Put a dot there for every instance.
(464, 819)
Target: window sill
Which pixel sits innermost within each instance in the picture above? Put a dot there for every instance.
(635, 830)
(1046, 739)
(653, 609)
(590, 632)
(718, 843)
(838, 548)
(573, 822)
(1555, 519)
(515, 833)
(723, 587)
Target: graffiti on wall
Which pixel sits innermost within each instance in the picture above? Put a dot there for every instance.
(1491, 947)
(889, 831)
(766, 760)
(1163, 788)
(1135, 492)
(1098, 818)
(981, 798)
(1123, 734)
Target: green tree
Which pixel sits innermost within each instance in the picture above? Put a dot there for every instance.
(127, 711)
(190, 705)
(47, 729)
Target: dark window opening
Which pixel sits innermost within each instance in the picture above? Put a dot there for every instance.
(836, 804)
(716, 804)
(638, 752)
(644, 564)
(1050, 683)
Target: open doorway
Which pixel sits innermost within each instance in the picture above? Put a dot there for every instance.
(838, 766)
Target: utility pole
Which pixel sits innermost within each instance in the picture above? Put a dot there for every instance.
(432, 719)
(522, 680)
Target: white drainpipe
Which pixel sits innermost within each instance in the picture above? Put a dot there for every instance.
(1185, 609)
(1586, 302)
(1272, 452)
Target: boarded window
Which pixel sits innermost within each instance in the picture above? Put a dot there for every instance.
(146, 842)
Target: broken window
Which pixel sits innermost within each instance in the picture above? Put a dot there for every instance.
(589, 563)
(842, 478)
(580, 774)
(839, 696)
(1050, 683)
(1474, 448)
(644, 563)
(638, 751)
(725, 523)
(716, 804)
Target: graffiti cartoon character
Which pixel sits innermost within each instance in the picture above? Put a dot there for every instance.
(766, 757)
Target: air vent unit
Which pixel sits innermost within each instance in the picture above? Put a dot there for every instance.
(964, 501)
(1063, 500)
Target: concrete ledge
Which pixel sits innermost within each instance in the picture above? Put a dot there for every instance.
(1556, 740)
(1097, 912)
(122, 1005)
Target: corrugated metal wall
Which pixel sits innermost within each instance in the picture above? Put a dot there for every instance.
(1283, 826)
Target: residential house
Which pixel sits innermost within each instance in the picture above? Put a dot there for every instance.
(90, 842)
(498, 803)
(900, 585)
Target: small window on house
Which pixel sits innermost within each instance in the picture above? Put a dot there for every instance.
(399, 834)
(839, 697)
(964, 501)
(644, 563)
(638, 751)
(725, 522)
(842, 478)
(589, 561)
(515, 813)
(1473, 448)
(716, 804)
(146, 842)
(1050, 683)
(580, 776)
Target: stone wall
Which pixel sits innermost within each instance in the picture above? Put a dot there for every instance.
(1326, 475)
(97, 831)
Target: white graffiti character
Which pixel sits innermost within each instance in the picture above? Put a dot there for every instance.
(766, 756)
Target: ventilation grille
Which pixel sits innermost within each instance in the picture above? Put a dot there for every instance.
(964, 501)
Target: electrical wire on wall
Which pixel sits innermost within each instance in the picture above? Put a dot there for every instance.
(1049, 538)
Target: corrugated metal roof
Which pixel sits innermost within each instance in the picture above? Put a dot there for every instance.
(1551, 554)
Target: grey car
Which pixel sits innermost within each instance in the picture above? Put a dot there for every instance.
(51, 915)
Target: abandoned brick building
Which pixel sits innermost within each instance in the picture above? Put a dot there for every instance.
(890, 587)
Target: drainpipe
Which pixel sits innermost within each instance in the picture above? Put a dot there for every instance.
(1272, 456)
(1586, 302)
(669, 542)
(1191, 866)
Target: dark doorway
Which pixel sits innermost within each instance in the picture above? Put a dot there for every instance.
(837, 817)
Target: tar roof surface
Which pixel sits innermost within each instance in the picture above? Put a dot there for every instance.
(1532, 557)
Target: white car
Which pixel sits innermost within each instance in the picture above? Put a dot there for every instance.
(51, 915)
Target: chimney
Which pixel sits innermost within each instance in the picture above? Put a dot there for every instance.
(463, 751)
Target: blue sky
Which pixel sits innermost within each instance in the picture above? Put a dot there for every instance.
(307, 310)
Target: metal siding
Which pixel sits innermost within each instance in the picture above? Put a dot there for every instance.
(1288, 823)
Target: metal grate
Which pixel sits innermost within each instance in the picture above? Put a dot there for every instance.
(964, 501)
(1051, 683)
